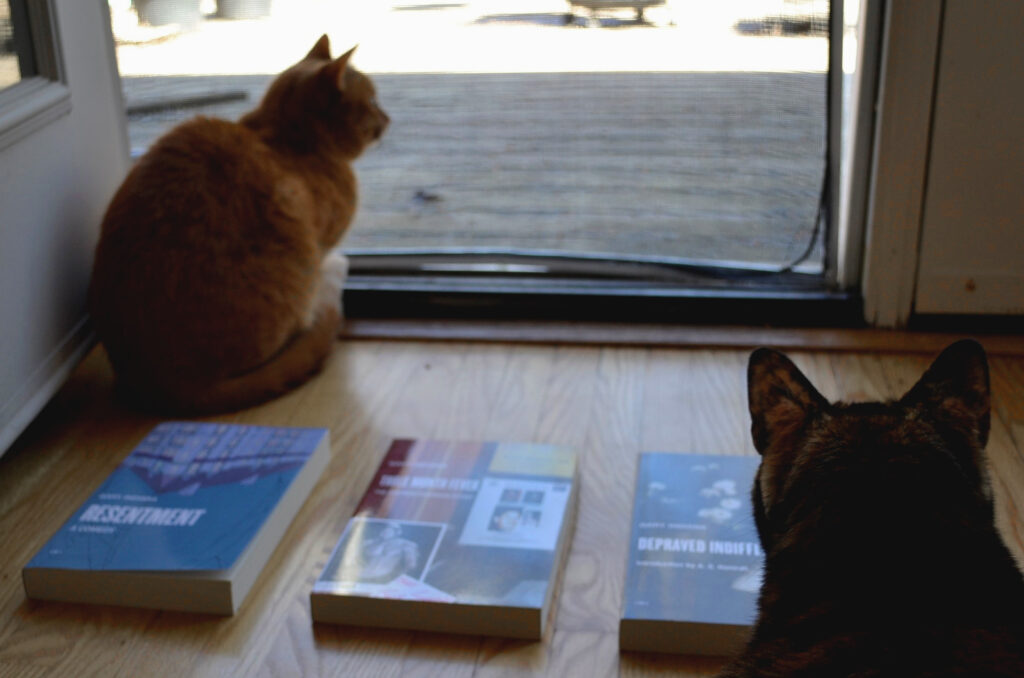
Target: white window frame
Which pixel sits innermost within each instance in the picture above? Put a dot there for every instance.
(38, 100)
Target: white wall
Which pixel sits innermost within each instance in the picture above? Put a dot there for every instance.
(945, 229)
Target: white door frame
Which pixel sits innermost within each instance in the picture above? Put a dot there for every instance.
(899, 163)
(63, 151)
(856, 120)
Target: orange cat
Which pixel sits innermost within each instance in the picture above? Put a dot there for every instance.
(214, 287)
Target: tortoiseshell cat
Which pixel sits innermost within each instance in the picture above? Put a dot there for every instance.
(213, 286)
(882, 558)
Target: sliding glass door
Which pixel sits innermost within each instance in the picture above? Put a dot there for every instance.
(588, 146)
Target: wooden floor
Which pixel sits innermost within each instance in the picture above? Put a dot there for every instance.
(609, 402)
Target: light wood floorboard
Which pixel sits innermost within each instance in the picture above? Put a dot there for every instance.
(610, 402)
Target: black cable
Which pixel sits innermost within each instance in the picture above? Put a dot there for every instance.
(825, 201)
(819, 218)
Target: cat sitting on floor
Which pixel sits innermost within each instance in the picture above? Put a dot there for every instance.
(214, 286)
(877, 521)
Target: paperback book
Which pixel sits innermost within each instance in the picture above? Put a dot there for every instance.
(186, 522)
(457, 537)
(694, 569)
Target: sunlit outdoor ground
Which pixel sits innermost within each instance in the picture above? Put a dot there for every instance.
(695, 134)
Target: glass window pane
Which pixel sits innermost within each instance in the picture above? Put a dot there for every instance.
(683, 130)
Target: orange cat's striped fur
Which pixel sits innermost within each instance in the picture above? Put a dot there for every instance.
(214, 286)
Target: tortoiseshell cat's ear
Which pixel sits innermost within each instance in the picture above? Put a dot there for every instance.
(336, 69)
(956, 389)
(780, 397)
(322, 49)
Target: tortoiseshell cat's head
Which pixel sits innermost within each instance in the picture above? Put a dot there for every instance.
(917, 461)
(877, 521)
(321, 104)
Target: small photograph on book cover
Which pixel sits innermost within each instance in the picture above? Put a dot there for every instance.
(374, 555)
(516, 513)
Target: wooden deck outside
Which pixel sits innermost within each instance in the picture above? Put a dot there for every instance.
(722, 166)
(610, 403)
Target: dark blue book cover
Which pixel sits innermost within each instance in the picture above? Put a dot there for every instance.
(694, 557)
(189, 497)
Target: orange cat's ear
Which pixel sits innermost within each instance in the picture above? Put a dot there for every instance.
(336, 69)
(322, 49)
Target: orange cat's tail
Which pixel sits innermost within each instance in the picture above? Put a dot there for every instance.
(296, 362)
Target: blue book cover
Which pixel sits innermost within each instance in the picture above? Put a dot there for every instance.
(694, 556)
(189, 497)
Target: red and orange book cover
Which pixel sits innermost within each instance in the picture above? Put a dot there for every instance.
(466, 537)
